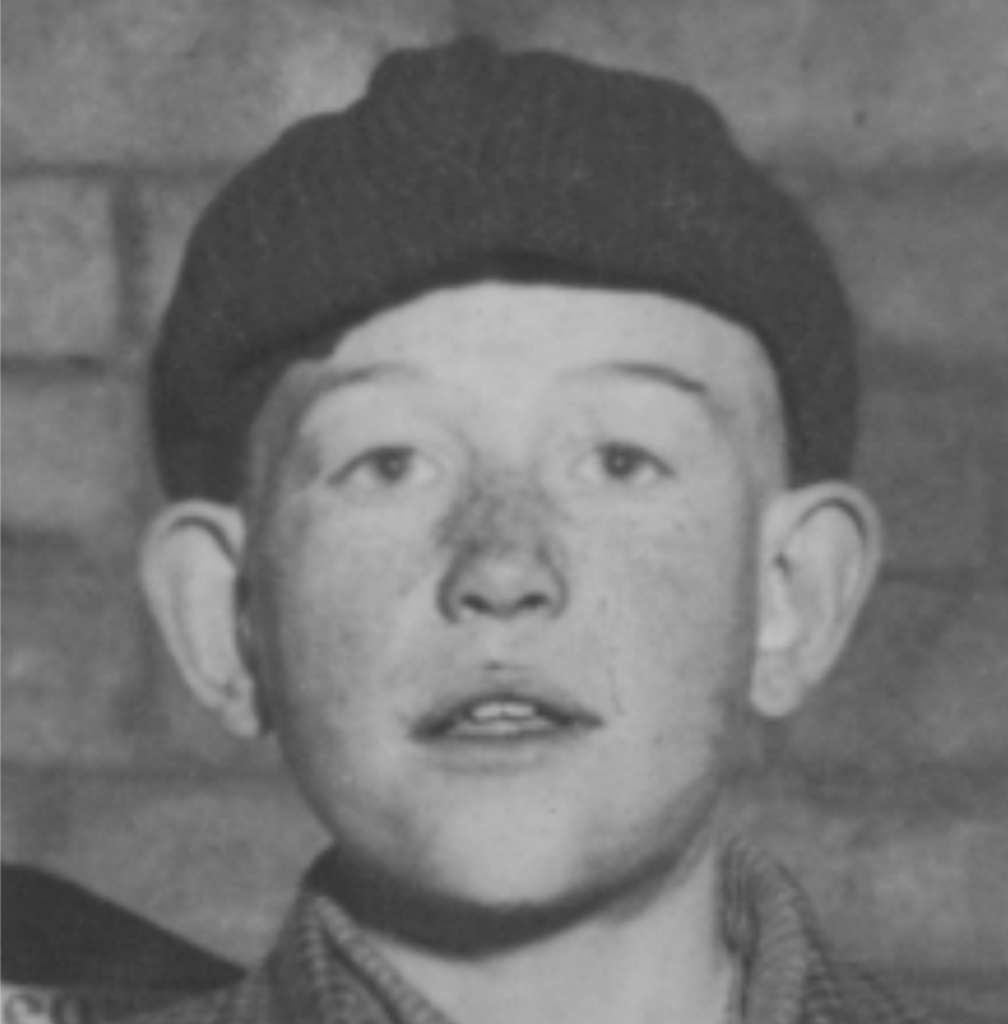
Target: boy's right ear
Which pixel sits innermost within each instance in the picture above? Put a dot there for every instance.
(190, 567)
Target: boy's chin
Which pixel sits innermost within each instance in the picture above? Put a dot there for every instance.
(465, 901)
(494, 855)
(494, 872)
(466, 912)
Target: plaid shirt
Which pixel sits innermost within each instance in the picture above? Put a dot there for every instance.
(323, 971)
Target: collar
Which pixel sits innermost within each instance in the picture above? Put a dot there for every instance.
(768, 926)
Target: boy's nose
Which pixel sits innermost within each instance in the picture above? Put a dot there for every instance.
(503, 582)
(503, 562)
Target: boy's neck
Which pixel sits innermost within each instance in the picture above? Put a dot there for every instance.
(664, 962)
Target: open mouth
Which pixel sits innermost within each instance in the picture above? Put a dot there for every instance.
(504, 717)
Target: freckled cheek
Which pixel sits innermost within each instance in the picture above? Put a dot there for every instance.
(642, 572)
(662, 614)
(341, 597)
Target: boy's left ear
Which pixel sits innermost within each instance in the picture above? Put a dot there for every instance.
(821, 549)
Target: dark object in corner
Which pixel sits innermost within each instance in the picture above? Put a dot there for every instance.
(57, 935)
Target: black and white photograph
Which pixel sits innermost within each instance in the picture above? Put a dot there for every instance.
(505, 512)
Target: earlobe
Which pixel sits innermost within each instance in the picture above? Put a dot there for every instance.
(190, 566)
(821, 549)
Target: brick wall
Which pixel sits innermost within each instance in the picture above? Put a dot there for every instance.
(889, 793)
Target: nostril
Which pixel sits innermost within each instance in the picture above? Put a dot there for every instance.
(534, 602)
(475, 603)
(481, 604)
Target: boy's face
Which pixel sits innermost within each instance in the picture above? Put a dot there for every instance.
(505, 584)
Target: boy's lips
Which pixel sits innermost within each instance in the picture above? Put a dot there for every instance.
(502, 713)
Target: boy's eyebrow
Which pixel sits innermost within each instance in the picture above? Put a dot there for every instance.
(659, 374)
(663, 374)
(332, 380)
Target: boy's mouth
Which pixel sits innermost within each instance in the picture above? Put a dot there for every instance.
(504, 716)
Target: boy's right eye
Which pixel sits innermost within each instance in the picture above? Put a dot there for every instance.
(390, 467)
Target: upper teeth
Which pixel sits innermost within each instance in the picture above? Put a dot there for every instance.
(496, 710)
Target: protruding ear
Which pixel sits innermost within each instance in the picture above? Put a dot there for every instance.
(190, 568)
(821, 552)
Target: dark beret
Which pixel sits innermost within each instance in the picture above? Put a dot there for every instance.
(455, 155)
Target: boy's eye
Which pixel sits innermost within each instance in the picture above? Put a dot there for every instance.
(625, 464)
(387, 468)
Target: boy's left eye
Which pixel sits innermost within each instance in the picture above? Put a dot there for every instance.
(626, 464)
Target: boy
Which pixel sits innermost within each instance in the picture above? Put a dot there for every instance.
(506, 418)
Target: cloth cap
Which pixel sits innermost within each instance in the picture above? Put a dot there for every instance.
(457, 154)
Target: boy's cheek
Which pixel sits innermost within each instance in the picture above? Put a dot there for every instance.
(335, 605)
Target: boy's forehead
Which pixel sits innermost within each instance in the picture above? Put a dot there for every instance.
(544, 336)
